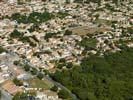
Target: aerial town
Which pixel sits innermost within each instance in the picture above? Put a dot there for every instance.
(41, 37)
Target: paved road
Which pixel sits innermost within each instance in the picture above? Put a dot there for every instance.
(8, 59)
(5, 95)
(56, 83)
(16, 57)
(62, 87)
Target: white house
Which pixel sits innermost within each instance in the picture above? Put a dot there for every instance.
(12, 1)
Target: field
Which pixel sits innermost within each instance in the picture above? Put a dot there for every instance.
(88, 30)
(36, 83)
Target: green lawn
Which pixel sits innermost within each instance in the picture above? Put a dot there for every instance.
(36, 83)
(89, 30)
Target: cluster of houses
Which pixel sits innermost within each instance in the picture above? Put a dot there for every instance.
(9, 71)
(108, 24)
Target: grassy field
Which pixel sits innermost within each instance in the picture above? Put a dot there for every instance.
(103, 21)
(88, 30)
(36, 83)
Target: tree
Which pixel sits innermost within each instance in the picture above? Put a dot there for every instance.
(33, 71)
(97, 16)
(100, 78)
(88, 43)
(62, 60)
(60, 65)
(17, 82)
(62, 15)
(69, 65)
(63, 94)
(49, 35)
(27, 67)
(16, 34)
(130, 30)
(40, 76)
(54, 88)
(68, 32)
(2, 49)
(16, 62)
(46, 72)
(21, 96)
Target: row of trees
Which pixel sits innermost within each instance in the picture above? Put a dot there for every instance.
(61, 93)
(37, 17)
(34, 17)
(101, 78)
(33, 71)
(24, 96)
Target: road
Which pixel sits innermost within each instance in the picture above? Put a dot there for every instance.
(5, 95)
(62, 87)
(57, 84)
(16, 57)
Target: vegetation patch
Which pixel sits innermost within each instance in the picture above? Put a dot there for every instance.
(101, 78)
(2, 49)
(37, 83)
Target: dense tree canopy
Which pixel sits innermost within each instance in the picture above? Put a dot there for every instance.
(101, 78)
(64, 94)
(34, 17)
(88, 43)
(16, 34)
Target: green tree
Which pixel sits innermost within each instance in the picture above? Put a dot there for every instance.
(17, 82)
(68, 32)
(21, 96)
(63, 94)
(69, 65)
(34, 71)
(27, 67)
(16, 62)
(40, 76)
(16, 34)
(54, 88)
(100, 78)
(2, 49)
